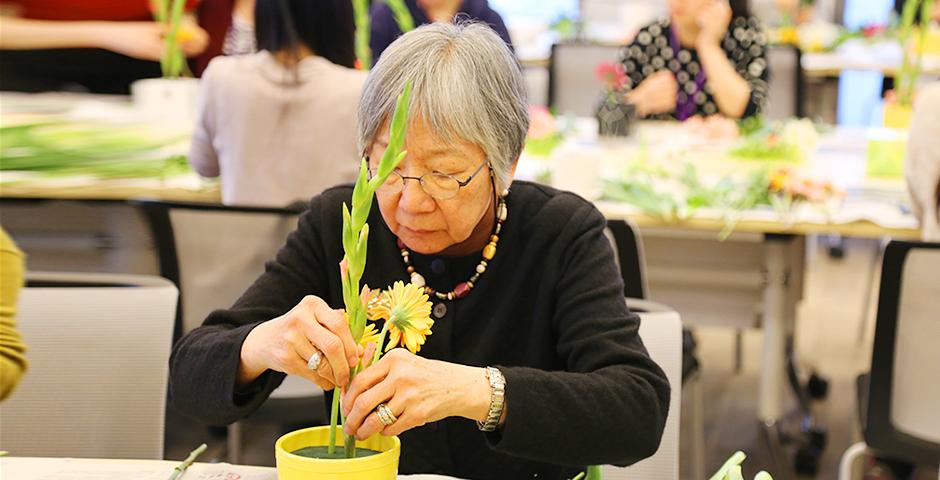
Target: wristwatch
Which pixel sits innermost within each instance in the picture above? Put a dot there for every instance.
(497, 399)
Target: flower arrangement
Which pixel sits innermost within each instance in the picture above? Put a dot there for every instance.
(788, 141)
(404, 307)
(614, 115)
(676, 193)
(911, 63)
(173, 61)
(543, 135)
(787, 190)
(613, 78)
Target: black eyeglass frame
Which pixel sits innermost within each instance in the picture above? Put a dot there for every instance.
(460, 183)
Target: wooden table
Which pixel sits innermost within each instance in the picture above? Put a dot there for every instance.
(834, 63)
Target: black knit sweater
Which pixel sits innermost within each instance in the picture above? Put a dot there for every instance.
(549, 312)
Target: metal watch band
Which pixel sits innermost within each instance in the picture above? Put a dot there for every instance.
(497, 399)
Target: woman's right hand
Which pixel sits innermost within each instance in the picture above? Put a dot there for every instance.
(656, 94)
(286, 343)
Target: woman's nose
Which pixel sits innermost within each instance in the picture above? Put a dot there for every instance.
(414, 198)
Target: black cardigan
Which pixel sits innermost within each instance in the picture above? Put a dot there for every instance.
(549, 312)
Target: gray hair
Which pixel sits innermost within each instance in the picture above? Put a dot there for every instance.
(466, 83)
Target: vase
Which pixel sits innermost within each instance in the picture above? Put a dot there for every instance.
(615, 117)
(170, 103)
(383, 466)
(897, 116)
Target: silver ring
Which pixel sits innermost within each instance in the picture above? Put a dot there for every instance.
(385, 414)
(315, 359)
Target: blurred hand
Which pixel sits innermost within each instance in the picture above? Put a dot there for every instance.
(656, 94)
(192, 38)
(143, 40)
(440, 10)
(286, 343)
(417, 390)
(713, 22)
(146, 40)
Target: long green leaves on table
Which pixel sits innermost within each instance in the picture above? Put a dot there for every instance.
(106, 151)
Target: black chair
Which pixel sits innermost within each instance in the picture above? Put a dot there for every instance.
(899, 400)
(213, 253)
(628, 249)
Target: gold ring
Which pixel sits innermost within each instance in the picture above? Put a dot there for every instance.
(385, 414)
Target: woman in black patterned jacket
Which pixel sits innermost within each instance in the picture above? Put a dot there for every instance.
(707, 58)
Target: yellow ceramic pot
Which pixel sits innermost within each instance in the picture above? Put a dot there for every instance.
(383, 466)
(897, 116)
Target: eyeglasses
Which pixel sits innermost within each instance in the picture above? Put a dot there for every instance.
(440, 186)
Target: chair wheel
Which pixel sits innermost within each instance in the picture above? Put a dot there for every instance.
(817, 386)
(816, 437)
(807, 460)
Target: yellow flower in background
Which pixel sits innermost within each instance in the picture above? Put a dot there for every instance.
(408, 312)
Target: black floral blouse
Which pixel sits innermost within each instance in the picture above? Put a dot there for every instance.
(654, 49)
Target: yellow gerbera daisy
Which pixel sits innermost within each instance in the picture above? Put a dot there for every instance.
(370, 335)
(408, 312)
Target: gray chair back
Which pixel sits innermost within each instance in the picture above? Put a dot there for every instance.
(572, 85)
(903, 413)
(214, 252)
(98, 347)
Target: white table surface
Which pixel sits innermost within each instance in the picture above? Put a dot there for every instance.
(32, 468)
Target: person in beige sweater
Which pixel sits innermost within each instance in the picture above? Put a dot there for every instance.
(280, 125)
(12, 350)
(922, 168)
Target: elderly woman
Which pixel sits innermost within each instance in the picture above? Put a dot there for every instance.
(543, 333)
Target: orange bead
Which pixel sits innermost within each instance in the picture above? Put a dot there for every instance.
(489, 251)
(494, 238)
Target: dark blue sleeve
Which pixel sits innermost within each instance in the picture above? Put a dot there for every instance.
(384, 30)
(492, 18)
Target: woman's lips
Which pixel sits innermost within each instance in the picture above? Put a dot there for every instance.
(417, 231)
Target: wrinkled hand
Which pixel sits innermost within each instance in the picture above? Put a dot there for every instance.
(417, 390)
(656, 94)
(713, 22)
(286, 343)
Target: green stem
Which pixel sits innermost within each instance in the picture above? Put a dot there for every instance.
(363, 53)
(378, 348)
(402, 15)
(189, 461)
(349, 441)
(334, 411)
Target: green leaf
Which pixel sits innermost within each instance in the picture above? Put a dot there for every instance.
(361, 16)
(349, 240)
(399, 129)
(402, 15)
(734, 461)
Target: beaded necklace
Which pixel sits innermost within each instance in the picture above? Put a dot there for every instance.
(463, 288)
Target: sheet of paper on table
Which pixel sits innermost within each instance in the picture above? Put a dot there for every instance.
(21, 468)
(81, 469)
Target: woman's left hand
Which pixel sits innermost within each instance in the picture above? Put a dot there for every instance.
(417, 390)
(713, 22)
